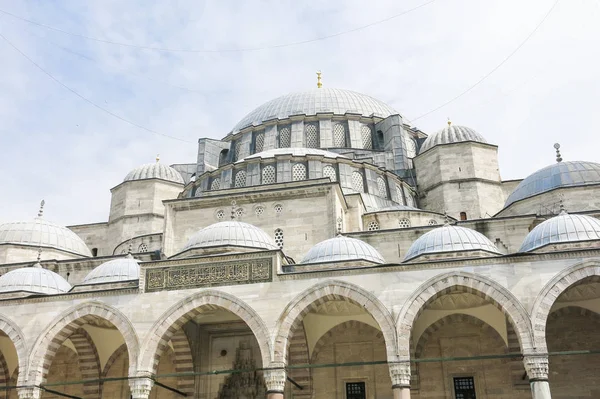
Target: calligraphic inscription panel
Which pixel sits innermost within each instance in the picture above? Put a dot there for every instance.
(209, 275)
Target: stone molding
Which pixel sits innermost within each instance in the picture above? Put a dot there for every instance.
(29, 393)
(275, 379)
(536, 367)
(400, 374)
(141, 388)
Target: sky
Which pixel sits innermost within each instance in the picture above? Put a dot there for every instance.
(58, 147)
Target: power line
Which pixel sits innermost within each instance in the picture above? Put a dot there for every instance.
(493, 70)
(232, 50)
(87, 99)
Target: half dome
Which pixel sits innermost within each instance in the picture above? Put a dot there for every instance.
(448, 239)
(560, 174)
(114, 271)
(155, 170)
(451, 134)
(562, 229)
(231, 233)
(42, 233)
(311, 102)
(35, 279)
(341, 248)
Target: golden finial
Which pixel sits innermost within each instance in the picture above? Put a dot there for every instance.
(558, 156)
(157, 157)
(449, 122)
(319, 83)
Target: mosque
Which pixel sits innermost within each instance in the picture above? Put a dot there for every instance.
(324, 248)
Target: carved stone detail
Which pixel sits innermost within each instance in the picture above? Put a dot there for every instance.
(141, 388)
(246, 385)
(536, 367)
(29, 393)
(400, 374)
(275, 380)
(209, 275)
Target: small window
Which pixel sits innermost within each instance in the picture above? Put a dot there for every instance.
(220, 214)
(357, 182)
(278, 208)
(279, 238)
(285, 137)
(259, 210)
(404, 223)
(339, 135)
(215, 184)
(94, 251)
(259, 141)
(382, 187)
(298, 172)
(268, 174)
(239, 212)
(432, 222)
(373, 226)
(240, 179)
(399, 198)
(312, 135)
(410, 201)
(463, 216)
(464, 388)
(223, 157)
(143, 248)
(356, 390)
(329, 171)
(367, 137)
(238, 150)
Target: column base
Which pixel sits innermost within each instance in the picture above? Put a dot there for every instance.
(540, 389)
(274, 395)
(401, 392)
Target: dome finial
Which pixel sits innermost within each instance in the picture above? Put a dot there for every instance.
(130, 248)
(41, 211)
(319, 83)
(39, 258)
(233, 204)
(449, 121)
(446, 219)
(339, 226)
(557, 148)
(561, 206)
(157, 158)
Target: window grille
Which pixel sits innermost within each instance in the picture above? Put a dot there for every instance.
(410, 201)
(268, 174)
(367, 137)
(373, 226)
(432, 222)
(238, 150)
(339, 135)
(329, 171)
(404, 223)
(143, 247)
(399, 198)
(220, 214)
(285, 137)
(278, 208)
(312, 136)
(240, 179)
(279, 238)
(239, 212)
(215, 184)
(298, 172)
(357, 182)
(464, 388)
(356, 390)
(259, 210)
(382, 187)
(259, 141)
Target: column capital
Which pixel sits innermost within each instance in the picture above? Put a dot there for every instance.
(400, 374)
(536, 367)
(141, 387)
(275, 379)
(29, 393)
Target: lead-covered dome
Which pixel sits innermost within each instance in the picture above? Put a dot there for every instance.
(340, 249)
(36, 280)
(311, 102)
(155, 171)
(451, 134)
(450, 239)
(231, 233)
(114, 271)
(42, 233)
(560, 174)
(562, 229)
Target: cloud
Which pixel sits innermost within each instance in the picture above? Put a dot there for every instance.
(57, 147)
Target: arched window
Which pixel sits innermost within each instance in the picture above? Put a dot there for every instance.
(143, 247)
(382, 187)
(268, 174)
(339, 135)
(410, 201)
(94, 251)
(279, 238)
(238, 150)
(373, 226)
(223, 157)
(259, 210)
(463, 216)
(329, 171)
(220, 214)
(399, 198)
(298, 172)
(240, 179)
(285, 137)
(259, 141)
(380, 139)
(278, 208)
(404, 223)
(357, 182)
(215, 184)
(367, 137)
(312, 135)
(432, 222)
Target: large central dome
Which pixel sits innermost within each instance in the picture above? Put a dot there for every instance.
(311, 102)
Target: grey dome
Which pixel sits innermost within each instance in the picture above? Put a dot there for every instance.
(311, 102)
(563, 228)
(34, 279)
(42, 233)
(451, 134)
(294, 151)
(560, 174)
(231, 233)
(155, 170)
(448, 238)
(114, 271)
(341, 248)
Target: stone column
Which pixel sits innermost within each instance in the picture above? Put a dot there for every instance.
(537, 371)
(141, 387)
(29, 393)
(275, 381)
(400, 375)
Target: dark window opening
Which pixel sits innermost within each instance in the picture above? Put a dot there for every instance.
(223, 157)
(463, 216)
(464, 388)
(356, 390)
(94, 252)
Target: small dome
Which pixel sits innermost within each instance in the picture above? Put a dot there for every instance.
(563, 228)
(294, 151)
(560, 174)
(34, 279)
(341, 248)
(114, 271)
(42, 233)
(448, 238)
(451, 134)
(311, 102)
(155, 170)
(231, 233)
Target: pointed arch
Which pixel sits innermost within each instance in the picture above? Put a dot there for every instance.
(322, 292)
(4, 377)
(184, 362)
(177, 315)
(552, 290)
(89, 363)
(474, 284)
(113, 358)
(18, 339)
(340, 328)
(66, 325)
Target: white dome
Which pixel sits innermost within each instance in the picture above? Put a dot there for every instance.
(42, 233)
(341, 248)
(114, 271)
(231, 233)
(34, 279)
(563, 228)
(311, 102)
(155, 170)
(451, 134)
(449, 238)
